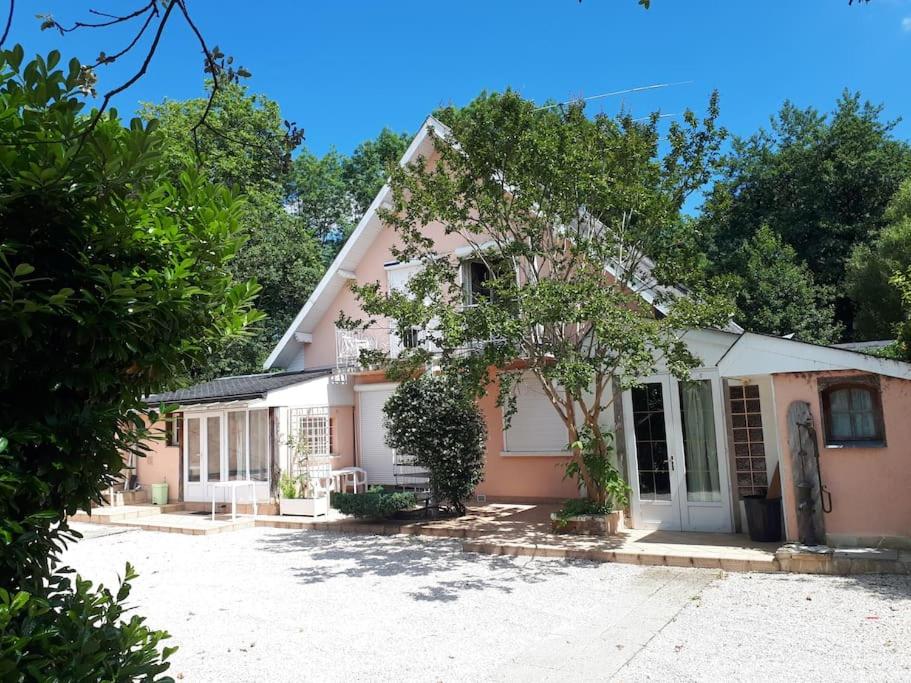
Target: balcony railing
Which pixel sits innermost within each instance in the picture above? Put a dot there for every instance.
(350, 345)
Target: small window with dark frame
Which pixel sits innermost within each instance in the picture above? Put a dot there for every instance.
(476, 275)
(172, 430)
(853, 414)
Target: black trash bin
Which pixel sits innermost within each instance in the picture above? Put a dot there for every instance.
(763, 518)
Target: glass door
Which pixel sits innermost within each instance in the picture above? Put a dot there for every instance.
(706, 503)
(675, 441)
(655, 485)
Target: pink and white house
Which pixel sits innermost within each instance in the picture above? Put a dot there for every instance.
(691, 450)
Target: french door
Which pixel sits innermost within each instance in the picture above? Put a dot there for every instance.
(678, 456)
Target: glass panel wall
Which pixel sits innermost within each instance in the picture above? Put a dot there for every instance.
(259, 445)
(213, 447)
(194, 448)
(237, 445)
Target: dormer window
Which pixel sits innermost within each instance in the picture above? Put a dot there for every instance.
(852, 413)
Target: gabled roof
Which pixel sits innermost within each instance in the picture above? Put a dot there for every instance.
(348, 258)
(239, 388)
(346, 262)
(760, 354)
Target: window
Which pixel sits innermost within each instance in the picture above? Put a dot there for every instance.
(237, 445)
(310, 429)
(749, 439)
(852, 413)
(172, 429)
(476, 276)
(259, 445)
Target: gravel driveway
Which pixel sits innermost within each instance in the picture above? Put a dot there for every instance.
(269, 604)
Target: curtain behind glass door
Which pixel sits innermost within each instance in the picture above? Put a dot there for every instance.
(237, 445)
(700, 447)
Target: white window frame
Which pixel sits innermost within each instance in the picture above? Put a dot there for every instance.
(322, 432)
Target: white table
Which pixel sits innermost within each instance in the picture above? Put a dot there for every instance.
(233, 485)
(356, 475)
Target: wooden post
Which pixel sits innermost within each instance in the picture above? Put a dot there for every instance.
(803, 451)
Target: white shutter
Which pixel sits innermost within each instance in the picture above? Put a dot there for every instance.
(536, 427)
(375, 456)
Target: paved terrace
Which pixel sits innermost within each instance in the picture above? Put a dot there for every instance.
(525, 530)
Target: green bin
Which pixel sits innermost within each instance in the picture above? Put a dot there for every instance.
(159, 494)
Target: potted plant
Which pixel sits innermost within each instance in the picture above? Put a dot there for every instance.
(599, 511)
(300, 493)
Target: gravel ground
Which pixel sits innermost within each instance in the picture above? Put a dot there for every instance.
(279, 605)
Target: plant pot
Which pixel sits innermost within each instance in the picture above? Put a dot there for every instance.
(309, 507)
(589, 525)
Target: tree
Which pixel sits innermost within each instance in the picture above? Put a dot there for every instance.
(432, 419)
(365, 171)
(115, 282)
(329, 194)
(819, 181)
(874, 264)
(243, 147)
(561, 210)
(902, 347)
(776, 292)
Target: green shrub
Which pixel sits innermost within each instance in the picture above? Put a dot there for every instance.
(75, 632)
(115, 285)
(435, 421)
(375, 504)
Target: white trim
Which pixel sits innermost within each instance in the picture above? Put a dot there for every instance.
(340, 259)
(378, 386)
(759, 354)
(472, 249)
(536, 454)
(399, 265)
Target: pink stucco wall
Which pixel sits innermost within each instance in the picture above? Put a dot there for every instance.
(161, 464)
(524, 477)
(343, 436)
(869, 486)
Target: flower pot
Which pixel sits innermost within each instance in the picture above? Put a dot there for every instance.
(589, 525)
(310, 507)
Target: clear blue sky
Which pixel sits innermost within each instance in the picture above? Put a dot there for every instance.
(344, 69)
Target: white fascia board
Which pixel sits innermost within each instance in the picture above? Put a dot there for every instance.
(341, 259)
(757, 354)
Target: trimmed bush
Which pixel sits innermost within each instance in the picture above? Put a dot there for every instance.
(433, 419)
(375, 504)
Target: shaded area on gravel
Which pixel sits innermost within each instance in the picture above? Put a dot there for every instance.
(271, 604)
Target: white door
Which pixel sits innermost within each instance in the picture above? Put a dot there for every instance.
(678, 456)
(204, 461)
(375, 456)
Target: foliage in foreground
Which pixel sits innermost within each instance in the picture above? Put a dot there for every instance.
(376, 504)
(74, 632)
(114, 285)
(435, 421)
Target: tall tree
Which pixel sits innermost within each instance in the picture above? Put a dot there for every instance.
(369, 165)
(776, 292)
(554, 202)
(873, 266)
(820, 181)
(242, 146)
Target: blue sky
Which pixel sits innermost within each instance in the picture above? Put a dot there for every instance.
(344, 69)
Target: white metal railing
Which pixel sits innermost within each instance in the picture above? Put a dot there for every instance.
(349, 344)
